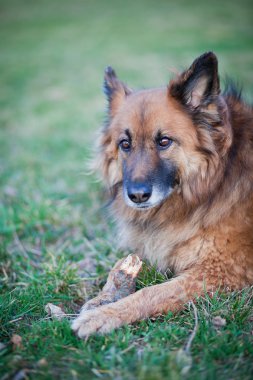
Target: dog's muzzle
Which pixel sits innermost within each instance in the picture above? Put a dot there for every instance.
(139, 192)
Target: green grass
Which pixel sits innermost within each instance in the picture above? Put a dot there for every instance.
(52, 56)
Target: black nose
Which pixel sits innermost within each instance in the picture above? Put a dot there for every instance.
(139, 192)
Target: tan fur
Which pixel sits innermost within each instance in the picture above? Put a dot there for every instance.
(204, 230)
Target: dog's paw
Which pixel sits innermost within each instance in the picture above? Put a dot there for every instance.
(101, 320)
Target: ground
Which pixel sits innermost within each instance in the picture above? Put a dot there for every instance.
(52, 57)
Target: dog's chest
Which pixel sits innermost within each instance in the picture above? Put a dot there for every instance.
(161, 247)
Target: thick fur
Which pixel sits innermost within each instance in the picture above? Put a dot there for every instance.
(202, 228)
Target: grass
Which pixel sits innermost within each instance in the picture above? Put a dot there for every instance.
(52, 56)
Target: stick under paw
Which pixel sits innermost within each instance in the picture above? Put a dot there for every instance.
(120, 283)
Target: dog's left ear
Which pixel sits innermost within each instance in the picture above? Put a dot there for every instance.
(115, 90)
(199, 85)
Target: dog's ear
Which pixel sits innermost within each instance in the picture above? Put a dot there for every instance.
(115, 90)
(199, 85)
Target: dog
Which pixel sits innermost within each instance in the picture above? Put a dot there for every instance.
(178, 161)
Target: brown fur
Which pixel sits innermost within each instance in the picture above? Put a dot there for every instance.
(203, 231)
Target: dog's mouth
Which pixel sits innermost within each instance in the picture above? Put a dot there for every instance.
(156, 199)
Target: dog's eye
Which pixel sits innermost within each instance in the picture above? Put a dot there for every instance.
(125, 145)
(164, 142)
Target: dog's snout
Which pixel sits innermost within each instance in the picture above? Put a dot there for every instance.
(139, 192)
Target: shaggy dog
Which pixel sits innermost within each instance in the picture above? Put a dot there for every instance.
(179, 163)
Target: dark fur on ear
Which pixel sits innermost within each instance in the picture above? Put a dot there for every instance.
(199, 85)
(114, 90)
(233, 89)
(198, 91)
(110, 82)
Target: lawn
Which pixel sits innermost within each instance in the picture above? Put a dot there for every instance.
(52, 57)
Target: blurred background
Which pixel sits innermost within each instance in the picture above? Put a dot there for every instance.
(52, 57)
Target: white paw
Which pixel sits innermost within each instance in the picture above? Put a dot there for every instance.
(101, 320)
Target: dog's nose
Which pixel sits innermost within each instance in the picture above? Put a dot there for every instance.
(139, 192)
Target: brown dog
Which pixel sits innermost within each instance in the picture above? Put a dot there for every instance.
(179, 163)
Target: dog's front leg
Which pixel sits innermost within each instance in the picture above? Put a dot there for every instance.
(120, 283)
(151, 301)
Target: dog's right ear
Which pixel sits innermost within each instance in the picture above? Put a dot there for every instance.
(115, 90)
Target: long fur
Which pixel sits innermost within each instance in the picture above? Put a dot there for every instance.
(203, 230)
(221, 183)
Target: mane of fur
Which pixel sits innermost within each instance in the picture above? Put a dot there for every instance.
(226, 178)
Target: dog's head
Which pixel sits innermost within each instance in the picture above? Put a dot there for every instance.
(163, 140)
